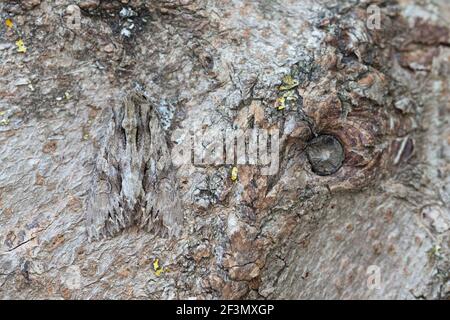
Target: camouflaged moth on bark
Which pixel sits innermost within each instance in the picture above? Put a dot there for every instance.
(133, 184)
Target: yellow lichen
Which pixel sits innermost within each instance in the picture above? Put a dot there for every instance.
(281, 103)
(288, 83)
(157, 269)
(234, 174)
(21, 46)
(9, 23)
(156, 264)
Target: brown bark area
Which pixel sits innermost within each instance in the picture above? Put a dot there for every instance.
(91, 205)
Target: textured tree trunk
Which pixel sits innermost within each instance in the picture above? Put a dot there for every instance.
(99, 99)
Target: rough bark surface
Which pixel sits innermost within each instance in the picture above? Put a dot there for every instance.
(98, 96)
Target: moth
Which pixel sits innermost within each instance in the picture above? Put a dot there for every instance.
(133, 181)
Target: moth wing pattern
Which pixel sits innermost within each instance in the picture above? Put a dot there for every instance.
(133, 184)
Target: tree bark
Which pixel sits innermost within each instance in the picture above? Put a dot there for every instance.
(97, 99)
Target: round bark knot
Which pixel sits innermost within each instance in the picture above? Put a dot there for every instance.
(325, 154)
